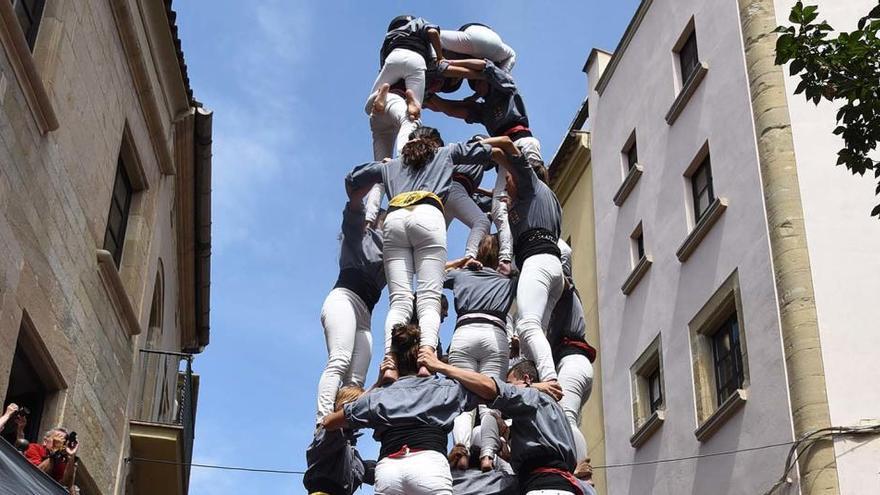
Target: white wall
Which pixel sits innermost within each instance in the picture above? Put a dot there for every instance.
(844, 244)
(671, 293)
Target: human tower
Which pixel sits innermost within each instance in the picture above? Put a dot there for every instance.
(514, 428)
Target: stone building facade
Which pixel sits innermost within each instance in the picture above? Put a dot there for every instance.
(727, 250)
(105, 162)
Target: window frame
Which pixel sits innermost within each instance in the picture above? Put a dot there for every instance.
(688, 60)
(655, 402)
(705, 164)
(713, 408)
(116, 233)
(730, 329)
(649, 412)
(632, 155)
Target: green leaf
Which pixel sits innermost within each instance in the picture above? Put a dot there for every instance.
(876, 211)
(797, 65)
(810, 14)
(875, 12)
(797, 13)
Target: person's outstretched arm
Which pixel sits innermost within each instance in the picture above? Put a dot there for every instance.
(452, 108)
(476, 383)
(474, 64)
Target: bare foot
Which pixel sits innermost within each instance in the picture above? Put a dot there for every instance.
(413, 108)
(381, 99)
(487, 464)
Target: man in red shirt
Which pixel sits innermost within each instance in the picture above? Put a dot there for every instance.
(55, 456)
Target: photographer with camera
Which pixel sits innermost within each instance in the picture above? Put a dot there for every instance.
(18, 417)
(56, 456)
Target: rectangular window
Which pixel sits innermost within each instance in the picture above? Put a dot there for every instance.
(29, 393)
(117, 219)
(688, 58)
(702, 188)
(29, 14)
(34, 385)
(719, 347)
(637, 244)
(655, 390)
(648, 392)
(727, 358)
(632, 156)
(640, 246)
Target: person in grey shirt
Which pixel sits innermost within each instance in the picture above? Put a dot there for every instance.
(478, 482)
(482, 298)
(417, 184)
(335, 466)
(574, 358)
(348, 308)
(541, 445)
(535, 221)
(411, 418)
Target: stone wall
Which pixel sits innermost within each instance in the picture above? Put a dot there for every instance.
(55, 190)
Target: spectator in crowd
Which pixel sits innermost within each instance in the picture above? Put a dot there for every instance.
(56, 456)
(15, 418)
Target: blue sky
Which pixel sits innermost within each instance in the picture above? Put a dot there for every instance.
(287, 81)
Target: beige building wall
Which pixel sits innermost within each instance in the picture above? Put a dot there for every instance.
(843, 242)
(574, 189)
(55, 190)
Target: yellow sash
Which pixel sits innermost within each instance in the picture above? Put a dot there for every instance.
(403, 200)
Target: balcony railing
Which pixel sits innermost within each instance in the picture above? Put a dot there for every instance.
(167, 396)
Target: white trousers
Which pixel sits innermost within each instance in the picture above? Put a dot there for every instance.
(576, 379)
(415, 244)
(461, 206)
(416, 473)
(400, 64)
(390, 131)
(483, 348)
(346, 322)
(548, 492)
(480, 42)
(539, 288)
(530, 147)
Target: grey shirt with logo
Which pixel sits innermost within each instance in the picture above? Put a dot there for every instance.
(535, 205)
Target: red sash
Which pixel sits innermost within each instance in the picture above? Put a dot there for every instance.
(580, 344)
(515, 129)
(403, 452)
(565, 474)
